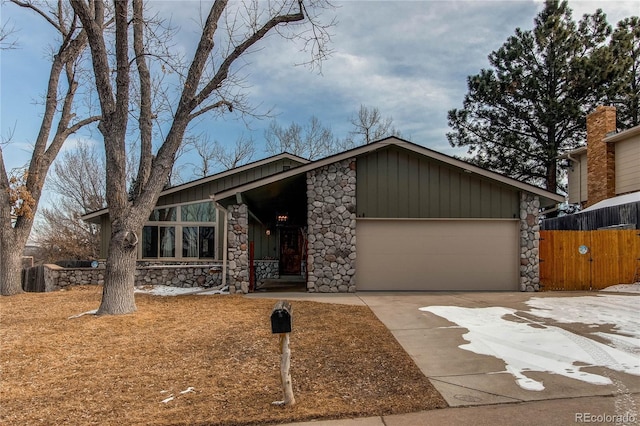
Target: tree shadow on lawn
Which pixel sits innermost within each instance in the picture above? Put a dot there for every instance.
(208, 360)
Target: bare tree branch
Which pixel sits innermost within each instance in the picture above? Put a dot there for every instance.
(20, 192)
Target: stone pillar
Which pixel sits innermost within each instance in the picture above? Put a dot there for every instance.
(529, 242)
(601, 161)
(331, 220)
(238, 248)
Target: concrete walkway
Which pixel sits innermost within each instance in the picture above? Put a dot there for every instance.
(477, 383)
(560, 412)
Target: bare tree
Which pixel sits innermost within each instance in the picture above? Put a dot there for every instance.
(79, 175)
(229, 32)
(214, 156)
(313, 140)
(370, 126)
(78, 180)
(7, 39)
(241, 152)
(310, 141)
(61, 234)
(20, 191)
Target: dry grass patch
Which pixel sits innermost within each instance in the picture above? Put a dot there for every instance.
(118, 370)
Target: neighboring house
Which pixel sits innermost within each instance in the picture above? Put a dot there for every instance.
(390, 215)
(604, 176)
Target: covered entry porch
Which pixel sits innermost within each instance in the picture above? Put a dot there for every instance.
(267, 237)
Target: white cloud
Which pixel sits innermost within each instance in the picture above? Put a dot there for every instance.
(408, 58)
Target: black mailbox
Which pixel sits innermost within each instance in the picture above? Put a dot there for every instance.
(281, 317)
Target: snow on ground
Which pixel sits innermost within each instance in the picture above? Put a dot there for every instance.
(530, 345)
(165, 290)
(621, 311)
(623, 288)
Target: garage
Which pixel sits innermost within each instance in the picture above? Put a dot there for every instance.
(437, 254)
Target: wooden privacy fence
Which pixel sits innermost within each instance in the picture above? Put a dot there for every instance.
(588, 260)
(33, 279)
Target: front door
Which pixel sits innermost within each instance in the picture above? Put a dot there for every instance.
(290, 251)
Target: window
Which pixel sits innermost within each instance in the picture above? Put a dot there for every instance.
(163, 215)
(185, 231)
(198, 241)
(201, 212)
(150, 241)
(167, 241)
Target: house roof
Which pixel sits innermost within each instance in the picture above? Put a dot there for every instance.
(550, 197)
(634, 197)
(577, 151)
(182, 187)
(626, 134)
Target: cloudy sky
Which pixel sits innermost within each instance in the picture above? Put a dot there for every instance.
(410, 59)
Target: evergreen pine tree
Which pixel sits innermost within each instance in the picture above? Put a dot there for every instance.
(530, 106)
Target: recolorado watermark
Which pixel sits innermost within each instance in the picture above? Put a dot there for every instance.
(627, 418)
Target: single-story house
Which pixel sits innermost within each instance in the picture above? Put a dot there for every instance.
(390, 215)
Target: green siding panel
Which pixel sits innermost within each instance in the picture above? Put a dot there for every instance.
(202, 191)
(403, 190)
(393, 185)
(105, 235)
(413, 187)
(396, 183)
(382, 193)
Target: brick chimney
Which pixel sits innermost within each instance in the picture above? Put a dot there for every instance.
(601, 178)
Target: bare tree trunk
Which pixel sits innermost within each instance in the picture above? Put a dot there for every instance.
(128, 214)
(118, 297)
(10, 267)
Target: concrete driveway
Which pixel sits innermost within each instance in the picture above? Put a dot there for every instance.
(465, 378)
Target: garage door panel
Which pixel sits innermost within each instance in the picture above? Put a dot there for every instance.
(437, 255)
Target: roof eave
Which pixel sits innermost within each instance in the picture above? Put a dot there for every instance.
(231, 192)
(91, 217)
(625, 134)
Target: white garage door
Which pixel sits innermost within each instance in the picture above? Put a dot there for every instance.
(443, 255)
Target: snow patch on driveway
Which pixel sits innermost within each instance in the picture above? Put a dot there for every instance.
(620, 311)
(529, 345)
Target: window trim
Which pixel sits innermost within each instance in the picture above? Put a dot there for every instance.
(178, 225)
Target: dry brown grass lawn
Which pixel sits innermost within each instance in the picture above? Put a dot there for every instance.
(118, 370)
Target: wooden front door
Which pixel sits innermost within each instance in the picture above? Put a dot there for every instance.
(290, 251)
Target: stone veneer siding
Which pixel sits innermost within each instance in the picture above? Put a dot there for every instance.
(56, 277)
(238, 248)
(184, 276)
(331, 220)
(266, 270)
(529, 242)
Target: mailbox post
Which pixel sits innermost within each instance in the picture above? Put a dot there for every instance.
(281, 319)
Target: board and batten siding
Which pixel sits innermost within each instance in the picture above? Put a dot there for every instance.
(577, 175)
(105, 235)
(628, 165)
(394, 183)
(200, 192)
(265, 246)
